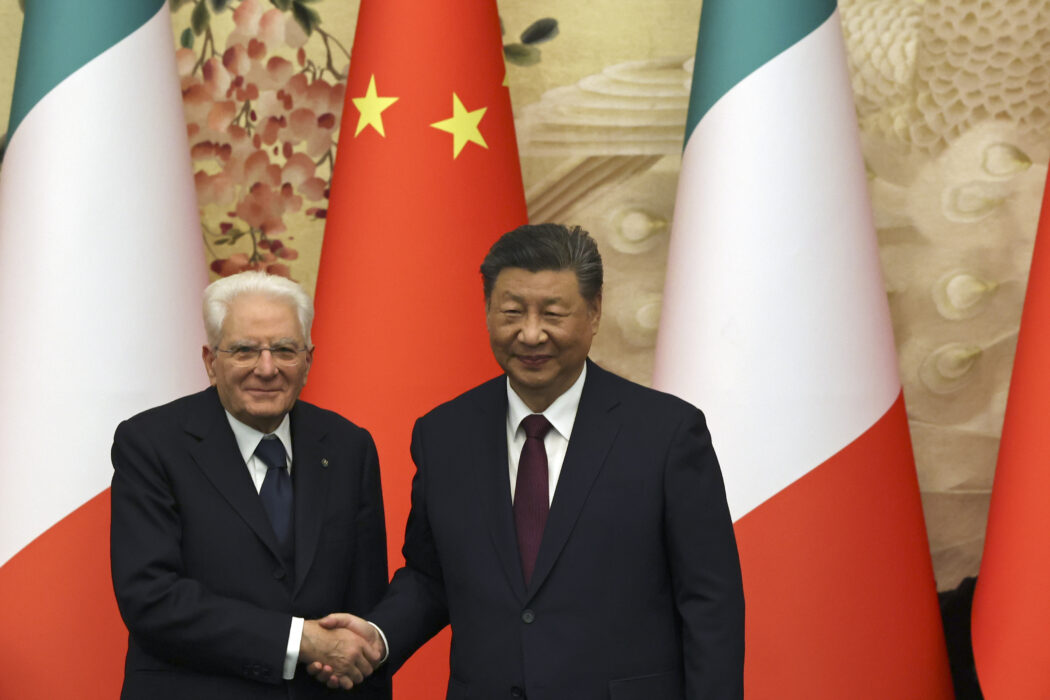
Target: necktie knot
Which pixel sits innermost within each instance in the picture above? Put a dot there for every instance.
(536, 426)
(271, 452)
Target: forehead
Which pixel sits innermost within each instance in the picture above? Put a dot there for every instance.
(261, 316)
(516, 282)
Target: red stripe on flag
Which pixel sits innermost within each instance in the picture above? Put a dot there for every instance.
(61, 634)
(1011, 606)
(838, 580)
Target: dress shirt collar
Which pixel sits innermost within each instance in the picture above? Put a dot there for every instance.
(561, 413)
(248, 437)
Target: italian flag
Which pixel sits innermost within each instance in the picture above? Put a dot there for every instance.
(776, 324)
(101, 269)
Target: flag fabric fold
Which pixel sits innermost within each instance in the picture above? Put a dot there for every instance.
(1011, 609)
(775, 323)
(426, 179)
(101, 267)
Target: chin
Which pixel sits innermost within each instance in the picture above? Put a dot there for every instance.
(266, 411)
(532, 381)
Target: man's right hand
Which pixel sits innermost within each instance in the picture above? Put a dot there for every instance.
(330, 674)
(348, 656)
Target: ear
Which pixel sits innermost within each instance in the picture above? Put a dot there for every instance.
(309, 362)
(594, 310)
(209, 357)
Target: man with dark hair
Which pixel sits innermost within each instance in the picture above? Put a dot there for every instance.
(239, 513)
(571, 525)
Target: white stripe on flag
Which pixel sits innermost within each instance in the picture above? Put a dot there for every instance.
(101, 267)
(775, 317)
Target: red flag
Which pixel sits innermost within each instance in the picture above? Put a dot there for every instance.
(1011, 608)
(426, 179)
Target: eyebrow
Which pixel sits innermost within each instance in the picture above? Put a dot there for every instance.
(507, 296)
(275, 341)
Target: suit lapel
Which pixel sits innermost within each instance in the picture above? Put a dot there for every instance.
(310, 476)
(493, 479)
(593, 433)
(216, 453)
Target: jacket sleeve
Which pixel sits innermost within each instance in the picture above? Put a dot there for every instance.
(414, 608)
(705, 566)
(170, 615)
(368, 576)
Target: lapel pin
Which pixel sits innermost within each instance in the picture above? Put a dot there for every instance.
(324, 461)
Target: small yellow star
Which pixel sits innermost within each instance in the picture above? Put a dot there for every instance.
(463, 126)
(371, 107)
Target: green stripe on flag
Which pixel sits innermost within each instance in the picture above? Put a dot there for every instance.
(738, 36)
(60, 36)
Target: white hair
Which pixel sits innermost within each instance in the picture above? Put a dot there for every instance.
(220, 294)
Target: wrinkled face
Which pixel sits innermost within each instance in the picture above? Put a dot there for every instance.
(261, 393)
(540, 329)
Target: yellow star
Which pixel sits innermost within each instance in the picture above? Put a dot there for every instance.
(371, 107)
(463, 126)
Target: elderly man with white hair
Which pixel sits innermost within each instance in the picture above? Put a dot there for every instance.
(241, 514)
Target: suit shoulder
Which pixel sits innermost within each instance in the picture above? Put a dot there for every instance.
(326, 417)
(482, 397)
(644, 398)
(173, 410)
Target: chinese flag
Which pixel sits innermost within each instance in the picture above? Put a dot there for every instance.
(1011, 607)
(426, 179)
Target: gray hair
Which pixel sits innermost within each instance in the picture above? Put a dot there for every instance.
(536, 247)
(220, 294)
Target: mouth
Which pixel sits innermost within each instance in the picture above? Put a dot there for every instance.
(533, 361)
(262, 393)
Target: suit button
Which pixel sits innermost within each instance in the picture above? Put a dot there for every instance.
(528, 617)
(516, 692)
(279, 574)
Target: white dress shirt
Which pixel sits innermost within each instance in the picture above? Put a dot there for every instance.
(561, 414)
(247, 440)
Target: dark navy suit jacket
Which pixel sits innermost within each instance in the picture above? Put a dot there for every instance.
(198, 575)
(636, 593)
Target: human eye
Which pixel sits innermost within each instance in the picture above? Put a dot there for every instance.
(244, 353)
(284, 353)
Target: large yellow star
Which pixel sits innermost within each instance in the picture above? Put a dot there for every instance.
(371, 107)
(463, 126)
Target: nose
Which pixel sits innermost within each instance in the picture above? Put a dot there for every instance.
(265, 367)
(532, 331)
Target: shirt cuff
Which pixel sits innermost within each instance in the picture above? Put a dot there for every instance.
(291, 657)
(386, 647)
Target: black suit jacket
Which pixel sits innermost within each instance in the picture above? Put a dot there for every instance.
(197, 572)
(636, 593)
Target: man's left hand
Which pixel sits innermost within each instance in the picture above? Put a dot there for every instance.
(330, 674)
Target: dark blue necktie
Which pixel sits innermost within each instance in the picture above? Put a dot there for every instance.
(276, 491)
(531, 498)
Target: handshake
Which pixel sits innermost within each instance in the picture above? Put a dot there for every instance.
(341, 650)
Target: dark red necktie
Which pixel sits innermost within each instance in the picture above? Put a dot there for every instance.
(531, 501)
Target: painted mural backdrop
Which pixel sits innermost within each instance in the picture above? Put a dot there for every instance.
(954, 106)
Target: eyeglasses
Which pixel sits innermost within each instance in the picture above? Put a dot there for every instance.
(248, 355)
